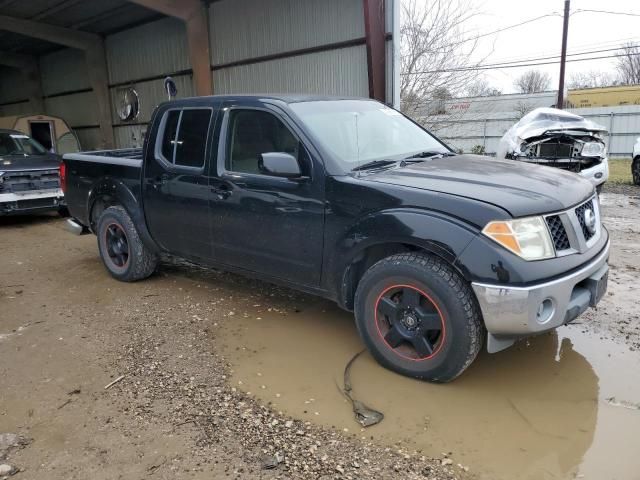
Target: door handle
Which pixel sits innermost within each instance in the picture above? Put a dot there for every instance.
(223, 191)
(159, 180)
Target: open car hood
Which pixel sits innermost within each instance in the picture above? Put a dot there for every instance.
(545, 121)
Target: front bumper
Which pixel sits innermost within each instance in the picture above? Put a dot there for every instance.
(36, 200)
(511, 313)
(597, 174)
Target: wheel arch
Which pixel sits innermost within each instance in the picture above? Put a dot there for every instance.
(110, 192)
(431, 233)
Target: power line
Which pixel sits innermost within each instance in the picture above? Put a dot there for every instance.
(607, 11)
(575, 54)
(505, 66)
(583, 49)
(509, 27)
(515, 25)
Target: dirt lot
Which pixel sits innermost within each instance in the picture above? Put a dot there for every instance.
(220, 376)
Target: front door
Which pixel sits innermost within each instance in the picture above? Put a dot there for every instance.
(176, 185)
(262, 223)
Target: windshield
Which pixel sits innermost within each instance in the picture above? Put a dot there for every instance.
(19, 144)
(360, 131)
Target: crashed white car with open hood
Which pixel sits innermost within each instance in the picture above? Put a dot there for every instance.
(552, 137)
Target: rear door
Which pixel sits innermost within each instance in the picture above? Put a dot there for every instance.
(176, 183)
(266, 224)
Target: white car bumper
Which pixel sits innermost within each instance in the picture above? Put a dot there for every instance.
(15, 203)
(597, 175)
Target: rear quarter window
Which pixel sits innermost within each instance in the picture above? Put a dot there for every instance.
(183, 139)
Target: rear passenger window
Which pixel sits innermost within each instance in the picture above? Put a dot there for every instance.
(169, 136)
(184, 138)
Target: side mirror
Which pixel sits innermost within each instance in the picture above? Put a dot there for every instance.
(279, 164)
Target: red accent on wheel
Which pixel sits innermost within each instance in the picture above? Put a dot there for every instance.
(442, 338)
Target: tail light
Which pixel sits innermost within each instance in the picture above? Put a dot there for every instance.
(63, 177)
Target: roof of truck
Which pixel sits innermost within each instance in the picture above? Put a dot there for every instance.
(286, 97)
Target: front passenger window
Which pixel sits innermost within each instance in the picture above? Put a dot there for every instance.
(253, 132)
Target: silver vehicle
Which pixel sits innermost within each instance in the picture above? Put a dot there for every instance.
(556, 138)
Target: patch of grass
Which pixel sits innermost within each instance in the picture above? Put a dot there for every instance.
(620, 171)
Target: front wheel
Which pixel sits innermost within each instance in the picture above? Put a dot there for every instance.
(122, 251)
(418, 317)
(635, 170)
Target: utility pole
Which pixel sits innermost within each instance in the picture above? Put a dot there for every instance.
(563, 57)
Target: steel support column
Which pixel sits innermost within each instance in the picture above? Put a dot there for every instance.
(194, 14)
(93, 47)
(374, 27)
(28, 66)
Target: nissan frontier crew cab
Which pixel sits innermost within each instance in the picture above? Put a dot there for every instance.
(350, 200)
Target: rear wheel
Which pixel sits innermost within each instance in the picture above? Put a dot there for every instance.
(418, 317)
(121, 249)
(635, 170)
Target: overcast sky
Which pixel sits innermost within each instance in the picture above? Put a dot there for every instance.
(542, 38)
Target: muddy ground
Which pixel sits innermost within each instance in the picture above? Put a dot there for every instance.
(221, 376)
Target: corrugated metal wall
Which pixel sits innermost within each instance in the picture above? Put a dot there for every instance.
(11, 90)
(241, 30)
(337, 72)
(63, 71)
(249, 29)
(140, 58)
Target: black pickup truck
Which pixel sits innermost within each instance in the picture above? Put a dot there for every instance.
(350, 200)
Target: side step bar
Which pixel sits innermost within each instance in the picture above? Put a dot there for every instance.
(74, 227)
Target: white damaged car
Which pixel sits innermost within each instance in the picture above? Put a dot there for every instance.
(556, 138)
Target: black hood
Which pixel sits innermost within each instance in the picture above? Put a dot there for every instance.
(17, 163)
(521, 189)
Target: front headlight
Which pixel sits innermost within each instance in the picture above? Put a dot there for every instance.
(526, 237)
(592, 149)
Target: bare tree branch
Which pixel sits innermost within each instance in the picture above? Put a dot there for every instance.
(591, 79)
(628, 66)
(433, 43)
(532, 81)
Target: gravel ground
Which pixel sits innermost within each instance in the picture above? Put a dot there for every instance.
(68, 330)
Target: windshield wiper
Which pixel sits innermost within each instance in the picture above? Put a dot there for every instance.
(429, 153)
(374, 164)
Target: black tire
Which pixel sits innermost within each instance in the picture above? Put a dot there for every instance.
(599, 188)
(442, 295)
(635, 170)
(63, 212)
(123, 253)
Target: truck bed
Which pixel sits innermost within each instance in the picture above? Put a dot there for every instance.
(88, 172)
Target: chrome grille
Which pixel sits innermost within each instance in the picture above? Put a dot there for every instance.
(568, 229)
(580, 215)
(558, 233)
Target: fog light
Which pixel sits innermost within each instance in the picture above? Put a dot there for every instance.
(545, 311)
(598, 175)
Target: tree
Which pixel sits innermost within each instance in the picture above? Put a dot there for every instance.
(533, 81)
(435, 53)
(480, 87)
(591, 79)
(628, 65)
(522, 108)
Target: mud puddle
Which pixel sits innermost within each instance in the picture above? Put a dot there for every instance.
(554, 407)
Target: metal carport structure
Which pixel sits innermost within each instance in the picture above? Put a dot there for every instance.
(73, 59)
